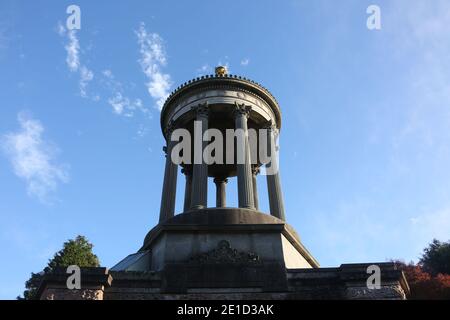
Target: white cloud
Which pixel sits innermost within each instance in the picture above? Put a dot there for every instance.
(142, 131)
(73, 59)
(152, 59)
(116, 97)
(60, 29)
(121, 104)
(73, 51)
(33, 159)
(245, 62)
(108, 74)
(118, 103)
(109, 81)
(124, 106)
(86, 76)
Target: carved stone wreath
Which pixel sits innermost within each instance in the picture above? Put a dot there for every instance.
(225, 254)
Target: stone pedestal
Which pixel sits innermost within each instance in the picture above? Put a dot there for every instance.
(247, 232)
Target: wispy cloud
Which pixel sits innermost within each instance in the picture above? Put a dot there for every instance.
(152, 60)
(245, 62)
(123, 105)
(86, 76)
(72, 49)
(34, 159)
(120, 103)
(73, 60)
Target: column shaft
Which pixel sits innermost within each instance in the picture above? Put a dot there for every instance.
(221, 197)
(187, 190)
(244, 170)
(255, 188)
(167, 208)
(199, 196)
(273, 179)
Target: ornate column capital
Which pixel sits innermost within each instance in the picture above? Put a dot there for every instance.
(201, 109)
(272, 131)
(220, 180)
(255, 170)
(270, 126)
(244, 170)
(242, 109)
(169, 129)
(186, 171)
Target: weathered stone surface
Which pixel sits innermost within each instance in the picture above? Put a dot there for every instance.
(65, 294)
(93, 283)
(225, 254)
(197, 232)
(230, 281)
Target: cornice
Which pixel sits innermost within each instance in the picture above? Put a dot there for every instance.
(235, 82)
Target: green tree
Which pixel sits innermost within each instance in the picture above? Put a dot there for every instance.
(436, 258)
(74, 252)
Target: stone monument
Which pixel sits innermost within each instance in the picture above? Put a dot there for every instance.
(221, 252)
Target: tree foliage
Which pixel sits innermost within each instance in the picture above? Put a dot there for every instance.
(436, 258)
(430, 278)
(77, 251)
(424, 286)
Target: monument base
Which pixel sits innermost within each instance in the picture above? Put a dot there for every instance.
(195, 234)
(225, 253)
(349, 281)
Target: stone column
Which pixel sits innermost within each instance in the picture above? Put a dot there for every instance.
(255, 171)
(188, 189)
(244, 170)
(273, 177)
(167, 208)
(199, 196)
(221, 197)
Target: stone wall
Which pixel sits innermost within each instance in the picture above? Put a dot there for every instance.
(346, 282)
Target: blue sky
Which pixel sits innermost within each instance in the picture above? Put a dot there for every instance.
(365, 143)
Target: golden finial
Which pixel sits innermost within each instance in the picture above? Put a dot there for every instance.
(221, 71)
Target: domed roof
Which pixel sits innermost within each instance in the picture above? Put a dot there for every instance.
(222, 79)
